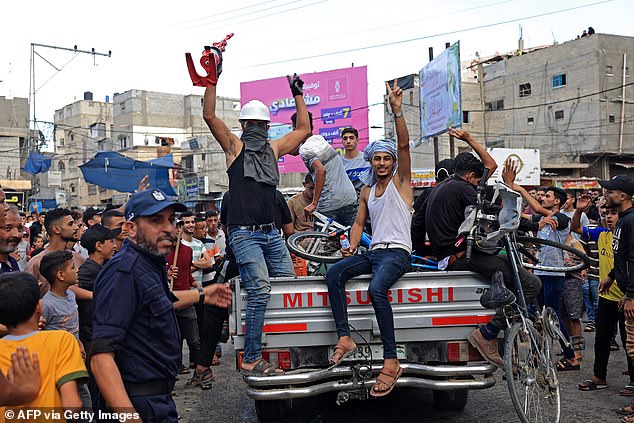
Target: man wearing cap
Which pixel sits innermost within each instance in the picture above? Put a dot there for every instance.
(92, 216)
(444, 169)
(387, 200)
(136, 343)
(618, 194)
(253, 176)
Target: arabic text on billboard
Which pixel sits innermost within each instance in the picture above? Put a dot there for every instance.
(337, 99)
(440, 96)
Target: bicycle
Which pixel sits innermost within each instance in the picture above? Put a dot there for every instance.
(323, 246)
(529, 361)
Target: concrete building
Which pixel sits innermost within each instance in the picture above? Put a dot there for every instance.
(82, 128)
(149, 124)
(14, 133)
(568, 100)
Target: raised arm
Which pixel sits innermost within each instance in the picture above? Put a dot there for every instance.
(403, 169)
(582, 203)
(293, 139)
(486, 158)
(229, 143)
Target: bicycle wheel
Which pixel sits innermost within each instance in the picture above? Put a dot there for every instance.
(315, 246)
(531, 376)
(532, 250)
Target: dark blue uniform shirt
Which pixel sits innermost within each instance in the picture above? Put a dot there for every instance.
(134, 318)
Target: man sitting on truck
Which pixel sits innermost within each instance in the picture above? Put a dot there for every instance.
(445, 212)
(387, 200)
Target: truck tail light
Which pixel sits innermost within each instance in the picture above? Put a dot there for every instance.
(279, 358)
(462, 351)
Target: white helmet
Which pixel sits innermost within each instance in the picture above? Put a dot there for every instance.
(255, 110)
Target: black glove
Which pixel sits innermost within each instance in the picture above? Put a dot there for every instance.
(296, 84)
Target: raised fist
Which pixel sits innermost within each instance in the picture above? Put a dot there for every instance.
(296, 84)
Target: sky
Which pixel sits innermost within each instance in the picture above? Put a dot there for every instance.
(272, 38)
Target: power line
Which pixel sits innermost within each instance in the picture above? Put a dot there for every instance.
(224, 13)
(427, 36)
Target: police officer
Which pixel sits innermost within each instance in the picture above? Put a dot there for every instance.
(136, 344)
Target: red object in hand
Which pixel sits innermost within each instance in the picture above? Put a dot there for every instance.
(211, 61)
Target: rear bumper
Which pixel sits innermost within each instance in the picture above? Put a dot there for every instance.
(315, 382)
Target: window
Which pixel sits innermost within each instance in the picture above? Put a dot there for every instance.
(530, 120)
(628, 119)
(123, 142)
(525, 90)
(92, 189)
(465, 116)
(72, 137)
(611, 118)
(559, 114)
(71, 163)
(559, 80)
(608, 70)
(495, 105)
(61, 142)
(497, 144)
(122, 106)
(60, 166)
(72, 188)
(98, 130)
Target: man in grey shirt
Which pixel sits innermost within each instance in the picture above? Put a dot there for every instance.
(353, 161)
(335, 195)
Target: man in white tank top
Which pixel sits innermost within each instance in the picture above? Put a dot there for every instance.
(387, 200)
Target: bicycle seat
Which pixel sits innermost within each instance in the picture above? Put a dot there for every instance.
(498, 295)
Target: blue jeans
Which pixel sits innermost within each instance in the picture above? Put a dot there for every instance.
(259, 256)
(550, 296)
(591, 298)
(386, 266)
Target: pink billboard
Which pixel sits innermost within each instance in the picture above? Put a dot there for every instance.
(337, 99)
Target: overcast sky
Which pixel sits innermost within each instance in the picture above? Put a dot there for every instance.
(272, 38)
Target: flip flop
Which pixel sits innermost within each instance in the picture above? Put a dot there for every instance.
(390, 385)
(565, 365)
(263, 368)
(591, 385)
(628, 410)
(627, 391)
(343, 353)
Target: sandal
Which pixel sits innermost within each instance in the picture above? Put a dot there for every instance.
(591, 385)
(627, 391)
(224, 335)
(340, 354)
(184, 371)
(262, 368)
(389, 380)
(614, 346)
(565, 365)
(628, 410)
(202, 379)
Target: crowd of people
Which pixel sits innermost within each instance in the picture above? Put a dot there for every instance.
(96, 306)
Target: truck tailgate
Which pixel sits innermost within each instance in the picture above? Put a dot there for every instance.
(427, 306)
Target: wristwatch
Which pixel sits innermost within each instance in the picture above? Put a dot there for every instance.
(398, 115)
(202, 295)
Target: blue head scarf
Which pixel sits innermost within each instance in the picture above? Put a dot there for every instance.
(380, 146)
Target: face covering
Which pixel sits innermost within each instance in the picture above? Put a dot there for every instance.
(260, 162)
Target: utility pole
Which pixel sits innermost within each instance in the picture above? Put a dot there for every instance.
(436, 158)
(34, 144)
(32, 86)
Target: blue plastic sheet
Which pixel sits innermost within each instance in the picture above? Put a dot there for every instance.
(37, 163)
(112, 170)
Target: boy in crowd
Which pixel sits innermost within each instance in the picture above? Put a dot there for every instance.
(58, 352)
(608, 313)
(59, 307)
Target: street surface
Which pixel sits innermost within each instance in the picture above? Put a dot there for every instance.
(228, 402)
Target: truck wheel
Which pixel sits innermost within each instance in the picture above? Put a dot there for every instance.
(272, 410)
(451, 400)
